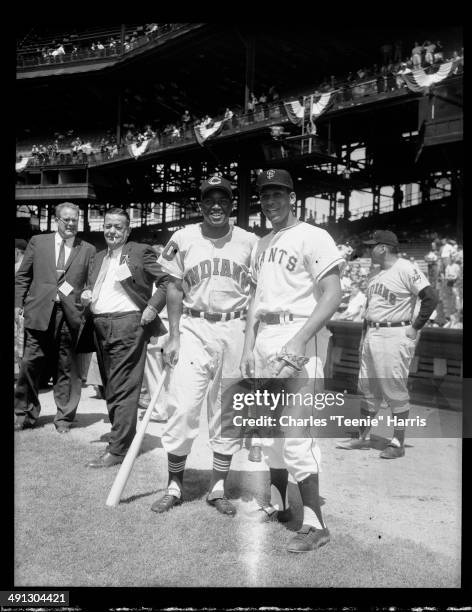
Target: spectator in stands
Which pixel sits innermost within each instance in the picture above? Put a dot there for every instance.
(129, 137)
(438, 53)
(454, 321)
(416, 53)
(446, 252)
(58, 53)
(429, 49)
(175, 131)
(356, 305)
(186, 121)
(273, 93)
(397, 197)
(251, 104)
(452, 272)
(100, 48)
(432, 259)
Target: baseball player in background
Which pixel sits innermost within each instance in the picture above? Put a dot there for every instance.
(206, 302)
(390, 338)
(296, 268)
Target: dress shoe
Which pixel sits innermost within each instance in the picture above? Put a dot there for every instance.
(308, 538)
(62, 429)
(19, 425)
(105, 460)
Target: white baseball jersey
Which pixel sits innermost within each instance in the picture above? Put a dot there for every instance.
(287, 266)
(392, 293)
(215, 271)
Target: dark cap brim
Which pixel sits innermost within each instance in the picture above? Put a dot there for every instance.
(370, 242)
(261, 187)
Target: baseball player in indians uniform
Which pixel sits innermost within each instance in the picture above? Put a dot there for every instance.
(206, 302)
(296, 268)
(390, 338)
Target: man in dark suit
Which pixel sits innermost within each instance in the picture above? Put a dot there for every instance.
(124, 314)
(49, 282)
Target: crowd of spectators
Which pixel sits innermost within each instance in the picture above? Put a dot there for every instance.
(444, 271)
(73, 46)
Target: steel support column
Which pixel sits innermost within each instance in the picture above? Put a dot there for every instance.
(244, 203)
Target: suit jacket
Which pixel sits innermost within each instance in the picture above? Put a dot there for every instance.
(36, 281)
(145, 271)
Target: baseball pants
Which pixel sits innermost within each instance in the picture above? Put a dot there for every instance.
(386, 357)
(300, 456)
(209, 352)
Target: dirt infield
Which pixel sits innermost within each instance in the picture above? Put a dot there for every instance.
(393, 523)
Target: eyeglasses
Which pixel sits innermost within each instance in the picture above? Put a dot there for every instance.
(72, 221)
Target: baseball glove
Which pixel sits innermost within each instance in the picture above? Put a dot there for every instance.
(288, 365)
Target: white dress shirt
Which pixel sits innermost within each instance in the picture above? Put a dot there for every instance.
(111, 295)
(68, 246)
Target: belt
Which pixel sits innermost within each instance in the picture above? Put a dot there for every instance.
(115, 315)
(388, 324)
(214, 316)
(274, 318)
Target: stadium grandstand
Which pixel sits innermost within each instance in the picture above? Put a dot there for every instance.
(369, 123)
(136, 115)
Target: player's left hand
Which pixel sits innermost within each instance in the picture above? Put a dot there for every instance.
(411, 333)
(149, 314)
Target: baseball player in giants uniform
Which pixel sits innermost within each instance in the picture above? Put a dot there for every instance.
(296, 268)
(390, 338)
(206, 301)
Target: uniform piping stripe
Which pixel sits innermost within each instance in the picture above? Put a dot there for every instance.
(329, 267)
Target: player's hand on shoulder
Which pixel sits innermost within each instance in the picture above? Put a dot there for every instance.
(171, 351)
(247, 365)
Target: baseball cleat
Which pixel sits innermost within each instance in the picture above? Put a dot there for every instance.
(355, 444)
(272, 515)
(255, 454)
(166, 503)
(308, 538)
(223, 505)
(392, 452)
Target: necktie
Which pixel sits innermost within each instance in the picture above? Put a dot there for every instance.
(100, 278)
(61, 261)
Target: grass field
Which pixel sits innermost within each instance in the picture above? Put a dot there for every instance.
(393, 523)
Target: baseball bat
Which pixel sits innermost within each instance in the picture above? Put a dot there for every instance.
(121, 479)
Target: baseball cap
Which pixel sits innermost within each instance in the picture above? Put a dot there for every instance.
(216, 182)
(276, 176)
(383, 237)
(20, 244)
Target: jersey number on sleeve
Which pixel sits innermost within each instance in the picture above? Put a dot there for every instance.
(170, 251)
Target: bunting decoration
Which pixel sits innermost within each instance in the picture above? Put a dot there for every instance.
(202, 133)
(419, 80)
(21, 165)
(321, 105)
(138, 149)
(295, 111)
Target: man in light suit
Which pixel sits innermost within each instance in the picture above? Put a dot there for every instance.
(124, 314)
(49, 282)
